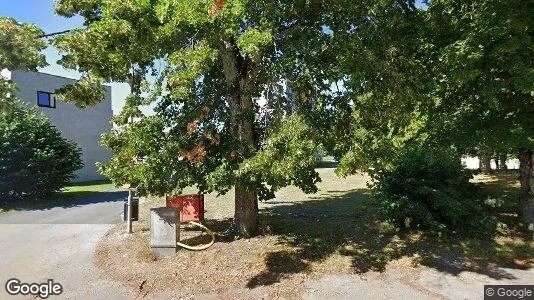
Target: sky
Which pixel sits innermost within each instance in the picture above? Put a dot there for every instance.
(41, 13)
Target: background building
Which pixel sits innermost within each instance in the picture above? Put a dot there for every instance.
(84, 127)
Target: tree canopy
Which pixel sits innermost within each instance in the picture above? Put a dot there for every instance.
(455, 75)
(204, 64)
(366, 80)
(20, 49)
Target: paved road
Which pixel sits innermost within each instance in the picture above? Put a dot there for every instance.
(58, 243)
(406, 283)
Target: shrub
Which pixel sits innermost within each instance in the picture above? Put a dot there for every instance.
(430, 190)
(36, 161)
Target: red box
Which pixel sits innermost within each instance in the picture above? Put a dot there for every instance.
(191, 206)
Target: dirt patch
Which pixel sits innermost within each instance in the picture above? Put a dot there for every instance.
(261, 267)
(225, 269)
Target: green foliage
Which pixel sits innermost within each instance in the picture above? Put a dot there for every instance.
(385, 60)
(19, 46)
(20, 49)
(456, 74)
(36, 161)
(429, 189)
(253, 41)
(85, 92)
(287, 158)
(205, 63)
(483, 66)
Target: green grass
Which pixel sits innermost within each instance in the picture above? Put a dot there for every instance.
(340, 228)
(78, 189)
(84, 188)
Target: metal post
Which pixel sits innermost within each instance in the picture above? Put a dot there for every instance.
(129, 219)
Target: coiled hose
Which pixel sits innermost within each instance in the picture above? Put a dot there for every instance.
(200, 247)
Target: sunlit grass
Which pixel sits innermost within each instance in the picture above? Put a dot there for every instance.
(84, 189)
(78, 189)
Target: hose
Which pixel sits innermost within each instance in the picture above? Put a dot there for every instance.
(201, 247)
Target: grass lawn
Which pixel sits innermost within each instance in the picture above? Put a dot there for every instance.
(78, 189)
(84, 189)
(337, 230)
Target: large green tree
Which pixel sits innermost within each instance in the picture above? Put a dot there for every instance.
(202, 64)
(485, 75)
(455, 74)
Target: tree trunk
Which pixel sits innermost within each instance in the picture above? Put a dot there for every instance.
(484, 163)
(502, 162)
(237, 72)
(526, 195)
(497, 162)
(246, 202)
(246, 212)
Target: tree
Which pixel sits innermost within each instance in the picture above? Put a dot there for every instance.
(35, 161)
(385, 65)
(486, 79)
(19, 49)
(202, 64)
(457, 74)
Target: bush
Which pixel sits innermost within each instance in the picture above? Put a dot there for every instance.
(36, 161)
(430, 190)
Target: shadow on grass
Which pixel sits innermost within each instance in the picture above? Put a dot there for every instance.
(501, 189)
(347, 224)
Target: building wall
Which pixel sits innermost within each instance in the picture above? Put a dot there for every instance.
(471, 162)
(84, 127)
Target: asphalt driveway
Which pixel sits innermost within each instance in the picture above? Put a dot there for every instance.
(58, 243)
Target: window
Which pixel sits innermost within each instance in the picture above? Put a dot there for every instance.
(45, 99)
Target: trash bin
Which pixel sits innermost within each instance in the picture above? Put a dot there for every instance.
(135, 209)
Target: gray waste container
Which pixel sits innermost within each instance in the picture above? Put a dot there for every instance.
(135, 209)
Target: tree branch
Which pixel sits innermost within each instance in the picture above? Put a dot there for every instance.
(53, 34)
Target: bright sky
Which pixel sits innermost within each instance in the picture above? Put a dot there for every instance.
(41, 13)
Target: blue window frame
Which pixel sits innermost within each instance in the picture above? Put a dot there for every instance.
(45, 99)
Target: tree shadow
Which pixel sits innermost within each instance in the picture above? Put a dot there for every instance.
(74, 199)
(348, 224)
(194, 236)
(326, 164)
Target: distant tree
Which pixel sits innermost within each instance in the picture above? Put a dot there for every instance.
(19, 49)
(36, 161)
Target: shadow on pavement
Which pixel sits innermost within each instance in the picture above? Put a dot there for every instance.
(75, 201)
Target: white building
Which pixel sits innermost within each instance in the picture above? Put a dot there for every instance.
(83, 127)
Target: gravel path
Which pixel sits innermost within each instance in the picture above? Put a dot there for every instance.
(58, 243)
